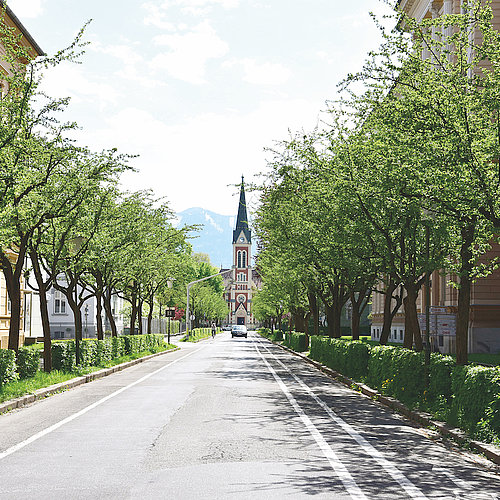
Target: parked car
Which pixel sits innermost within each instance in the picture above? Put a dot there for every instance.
(239, 331)
(227, 328)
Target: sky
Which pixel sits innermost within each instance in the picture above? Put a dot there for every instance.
(197, 89)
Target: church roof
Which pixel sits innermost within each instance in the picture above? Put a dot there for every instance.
(242, 219)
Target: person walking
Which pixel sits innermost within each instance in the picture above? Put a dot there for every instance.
(214, 329)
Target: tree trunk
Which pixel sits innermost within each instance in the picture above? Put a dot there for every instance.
(313, 306)
(139, 315)
(133, 313)
(109, 313)
(44, 312)
(411, 317)
(100, 329)
(150, 313)
(330, 318)
(389, 312)
(14, 292)
(355, 318)
(464, 294)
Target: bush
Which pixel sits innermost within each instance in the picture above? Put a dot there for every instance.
(297, 341)
(476, 397)
(28, 362)
(7, 366)
(99, 352)
(63, 356)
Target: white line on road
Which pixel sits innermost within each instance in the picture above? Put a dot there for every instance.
(463, 485)
(341, 470)
(402, 480)
(52, 428)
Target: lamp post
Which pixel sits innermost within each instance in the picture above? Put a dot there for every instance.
(189, 285)
(427, 351)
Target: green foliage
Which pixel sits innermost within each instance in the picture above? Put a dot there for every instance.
(7, 366)
(28, 362)
(63, 356)
(347, 357)
(100, 352)
(476, 397)
(297, 341)
(200, 333)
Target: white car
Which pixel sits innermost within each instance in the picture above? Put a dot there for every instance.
(239, 331)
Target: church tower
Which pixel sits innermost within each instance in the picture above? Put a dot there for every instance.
(240, 302)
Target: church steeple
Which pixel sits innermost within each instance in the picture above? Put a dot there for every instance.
(242, 219)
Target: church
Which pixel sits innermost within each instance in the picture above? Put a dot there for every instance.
(243, 280)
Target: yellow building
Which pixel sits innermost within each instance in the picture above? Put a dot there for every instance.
(27, 41)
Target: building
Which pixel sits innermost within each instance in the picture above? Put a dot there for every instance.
(61, 319)
(240, 284)
(484, 323)
(29, 324)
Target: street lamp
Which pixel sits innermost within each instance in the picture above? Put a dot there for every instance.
(189, 285)
(427, 352)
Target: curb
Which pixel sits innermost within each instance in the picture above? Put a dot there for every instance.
(491, 451)
(74, 382)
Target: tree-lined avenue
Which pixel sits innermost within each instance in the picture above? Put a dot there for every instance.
(226, 418)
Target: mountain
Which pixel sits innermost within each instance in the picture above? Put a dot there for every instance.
(215, 237)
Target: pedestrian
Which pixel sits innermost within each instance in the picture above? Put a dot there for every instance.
(214, 329)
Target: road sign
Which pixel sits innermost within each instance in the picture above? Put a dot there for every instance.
(170, 312)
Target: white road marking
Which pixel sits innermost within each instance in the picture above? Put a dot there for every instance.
(402, 480)
(48, 430)
(463, 485)
(344, 475)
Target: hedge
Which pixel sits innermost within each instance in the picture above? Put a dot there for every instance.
(7, 366)
(297, 341)
(465, 396)
(28, 362)
(97, 352)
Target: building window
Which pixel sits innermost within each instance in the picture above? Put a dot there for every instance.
(239, 259)
(9, 305)
(59, 303)
(242, 277)
(401, 335)
(244, 259)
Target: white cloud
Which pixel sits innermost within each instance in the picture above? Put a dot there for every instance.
(262, 73)
(192, 163)
(157, 13)
(69, 80)
(189, 53)
(26, 8)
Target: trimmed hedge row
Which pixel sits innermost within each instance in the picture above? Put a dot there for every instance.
(277, 335)
(7, 366)
(95, 352)
(297, 341)
(466, 396)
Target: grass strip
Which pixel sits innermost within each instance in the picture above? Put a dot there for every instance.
(22, 387)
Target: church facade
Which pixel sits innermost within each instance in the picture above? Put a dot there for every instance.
(242, 281)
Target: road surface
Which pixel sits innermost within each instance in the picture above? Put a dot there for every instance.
(226, 418)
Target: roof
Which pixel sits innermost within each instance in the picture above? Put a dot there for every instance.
(242, 219)
(19, 25)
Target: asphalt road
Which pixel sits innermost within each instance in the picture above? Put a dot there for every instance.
(226, 418)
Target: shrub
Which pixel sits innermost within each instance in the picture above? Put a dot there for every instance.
(297, 341)
(28, 362)
(63, 356)
(440, 377)
(476, 396)
(7, 366)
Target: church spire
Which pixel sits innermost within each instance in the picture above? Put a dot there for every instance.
(242, 219)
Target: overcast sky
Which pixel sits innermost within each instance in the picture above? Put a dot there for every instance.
(198, 88)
